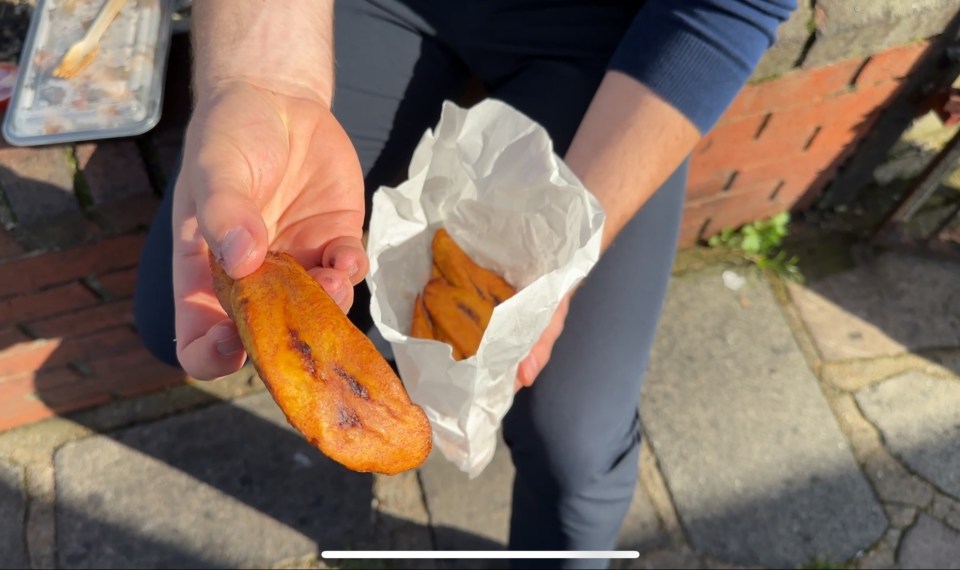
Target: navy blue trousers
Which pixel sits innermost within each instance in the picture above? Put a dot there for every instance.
(574, 436)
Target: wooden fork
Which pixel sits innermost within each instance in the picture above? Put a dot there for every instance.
(82, 53)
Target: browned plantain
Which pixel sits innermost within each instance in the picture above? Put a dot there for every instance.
(450, 261)
(461, 271)
(459, 315)
(327, 377)
(442, 337)
(420, 325)
(454, 351)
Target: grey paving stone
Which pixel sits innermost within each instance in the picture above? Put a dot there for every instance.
(757, 466)
(469, 514)
(13, 504)
(37, 182)
(930, 447)
(107, 183)
(402, 522)
(929, 544)
(847, 28)
(891, 305)
(852, 14)
(792, 37)
(947, 510)
(641, 528)
(475, 514)
(227, 486)
(882, 555)
(894, 483)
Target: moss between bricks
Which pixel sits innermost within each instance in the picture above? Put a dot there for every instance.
(693, 259)
(7, 218)
(84, 195)
(81, 188)
(768, 78)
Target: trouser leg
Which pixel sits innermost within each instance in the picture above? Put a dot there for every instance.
(574, 436)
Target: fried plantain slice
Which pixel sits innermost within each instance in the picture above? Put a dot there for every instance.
(332, 384)
(461, 271)
(420, 325)
(459, 315)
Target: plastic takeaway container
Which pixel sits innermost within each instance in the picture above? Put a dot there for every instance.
(118, 95)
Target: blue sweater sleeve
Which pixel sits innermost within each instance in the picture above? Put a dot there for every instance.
(697, 54)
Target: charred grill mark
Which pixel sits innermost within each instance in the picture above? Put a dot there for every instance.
(479, 291)
(348, 418)
(352, 382)
(469, 312)
(303, 349)
(426, 313)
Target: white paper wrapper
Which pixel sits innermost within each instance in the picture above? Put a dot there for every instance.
(490, 177)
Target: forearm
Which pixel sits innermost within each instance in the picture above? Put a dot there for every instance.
(653, 106)
(282, 46)
(629, 142)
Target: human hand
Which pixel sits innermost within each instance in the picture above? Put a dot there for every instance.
(534, 362)
(260, 171)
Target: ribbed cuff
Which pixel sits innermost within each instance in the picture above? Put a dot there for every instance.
(696, 60)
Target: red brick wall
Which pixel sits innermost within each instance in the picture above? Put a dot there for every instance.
(781, 140)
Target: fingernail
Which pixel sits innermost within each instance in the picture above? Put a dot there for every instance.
(341, 295)
(350, 269)
(235, 247)
(336, 289)
(226, 340)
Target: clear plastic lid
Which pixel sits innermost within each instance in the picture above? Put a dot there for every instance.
(118, 94)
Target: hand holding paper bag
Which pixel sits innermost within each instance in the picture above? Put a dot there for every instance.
(488, 175)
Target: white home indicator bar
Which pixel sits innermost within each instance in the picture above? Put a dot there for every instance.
(463, 554)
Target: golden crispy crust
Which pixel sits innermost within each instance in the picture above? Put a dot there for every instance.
(332, 384)
(461, 271)
(459, 315)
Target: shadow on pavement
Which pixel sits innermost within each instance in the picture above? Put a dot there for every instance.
(228, 485)
(114, 544)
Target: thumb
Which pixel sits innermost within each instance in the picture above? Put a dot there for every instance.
(230, 221)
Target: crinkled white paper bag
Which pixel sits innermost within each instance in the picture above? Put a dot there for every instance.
(490, 177)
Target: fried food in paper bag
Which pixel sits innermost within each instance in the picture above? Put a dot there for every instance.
(456, 304)
(332, 384)
(461, 272)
